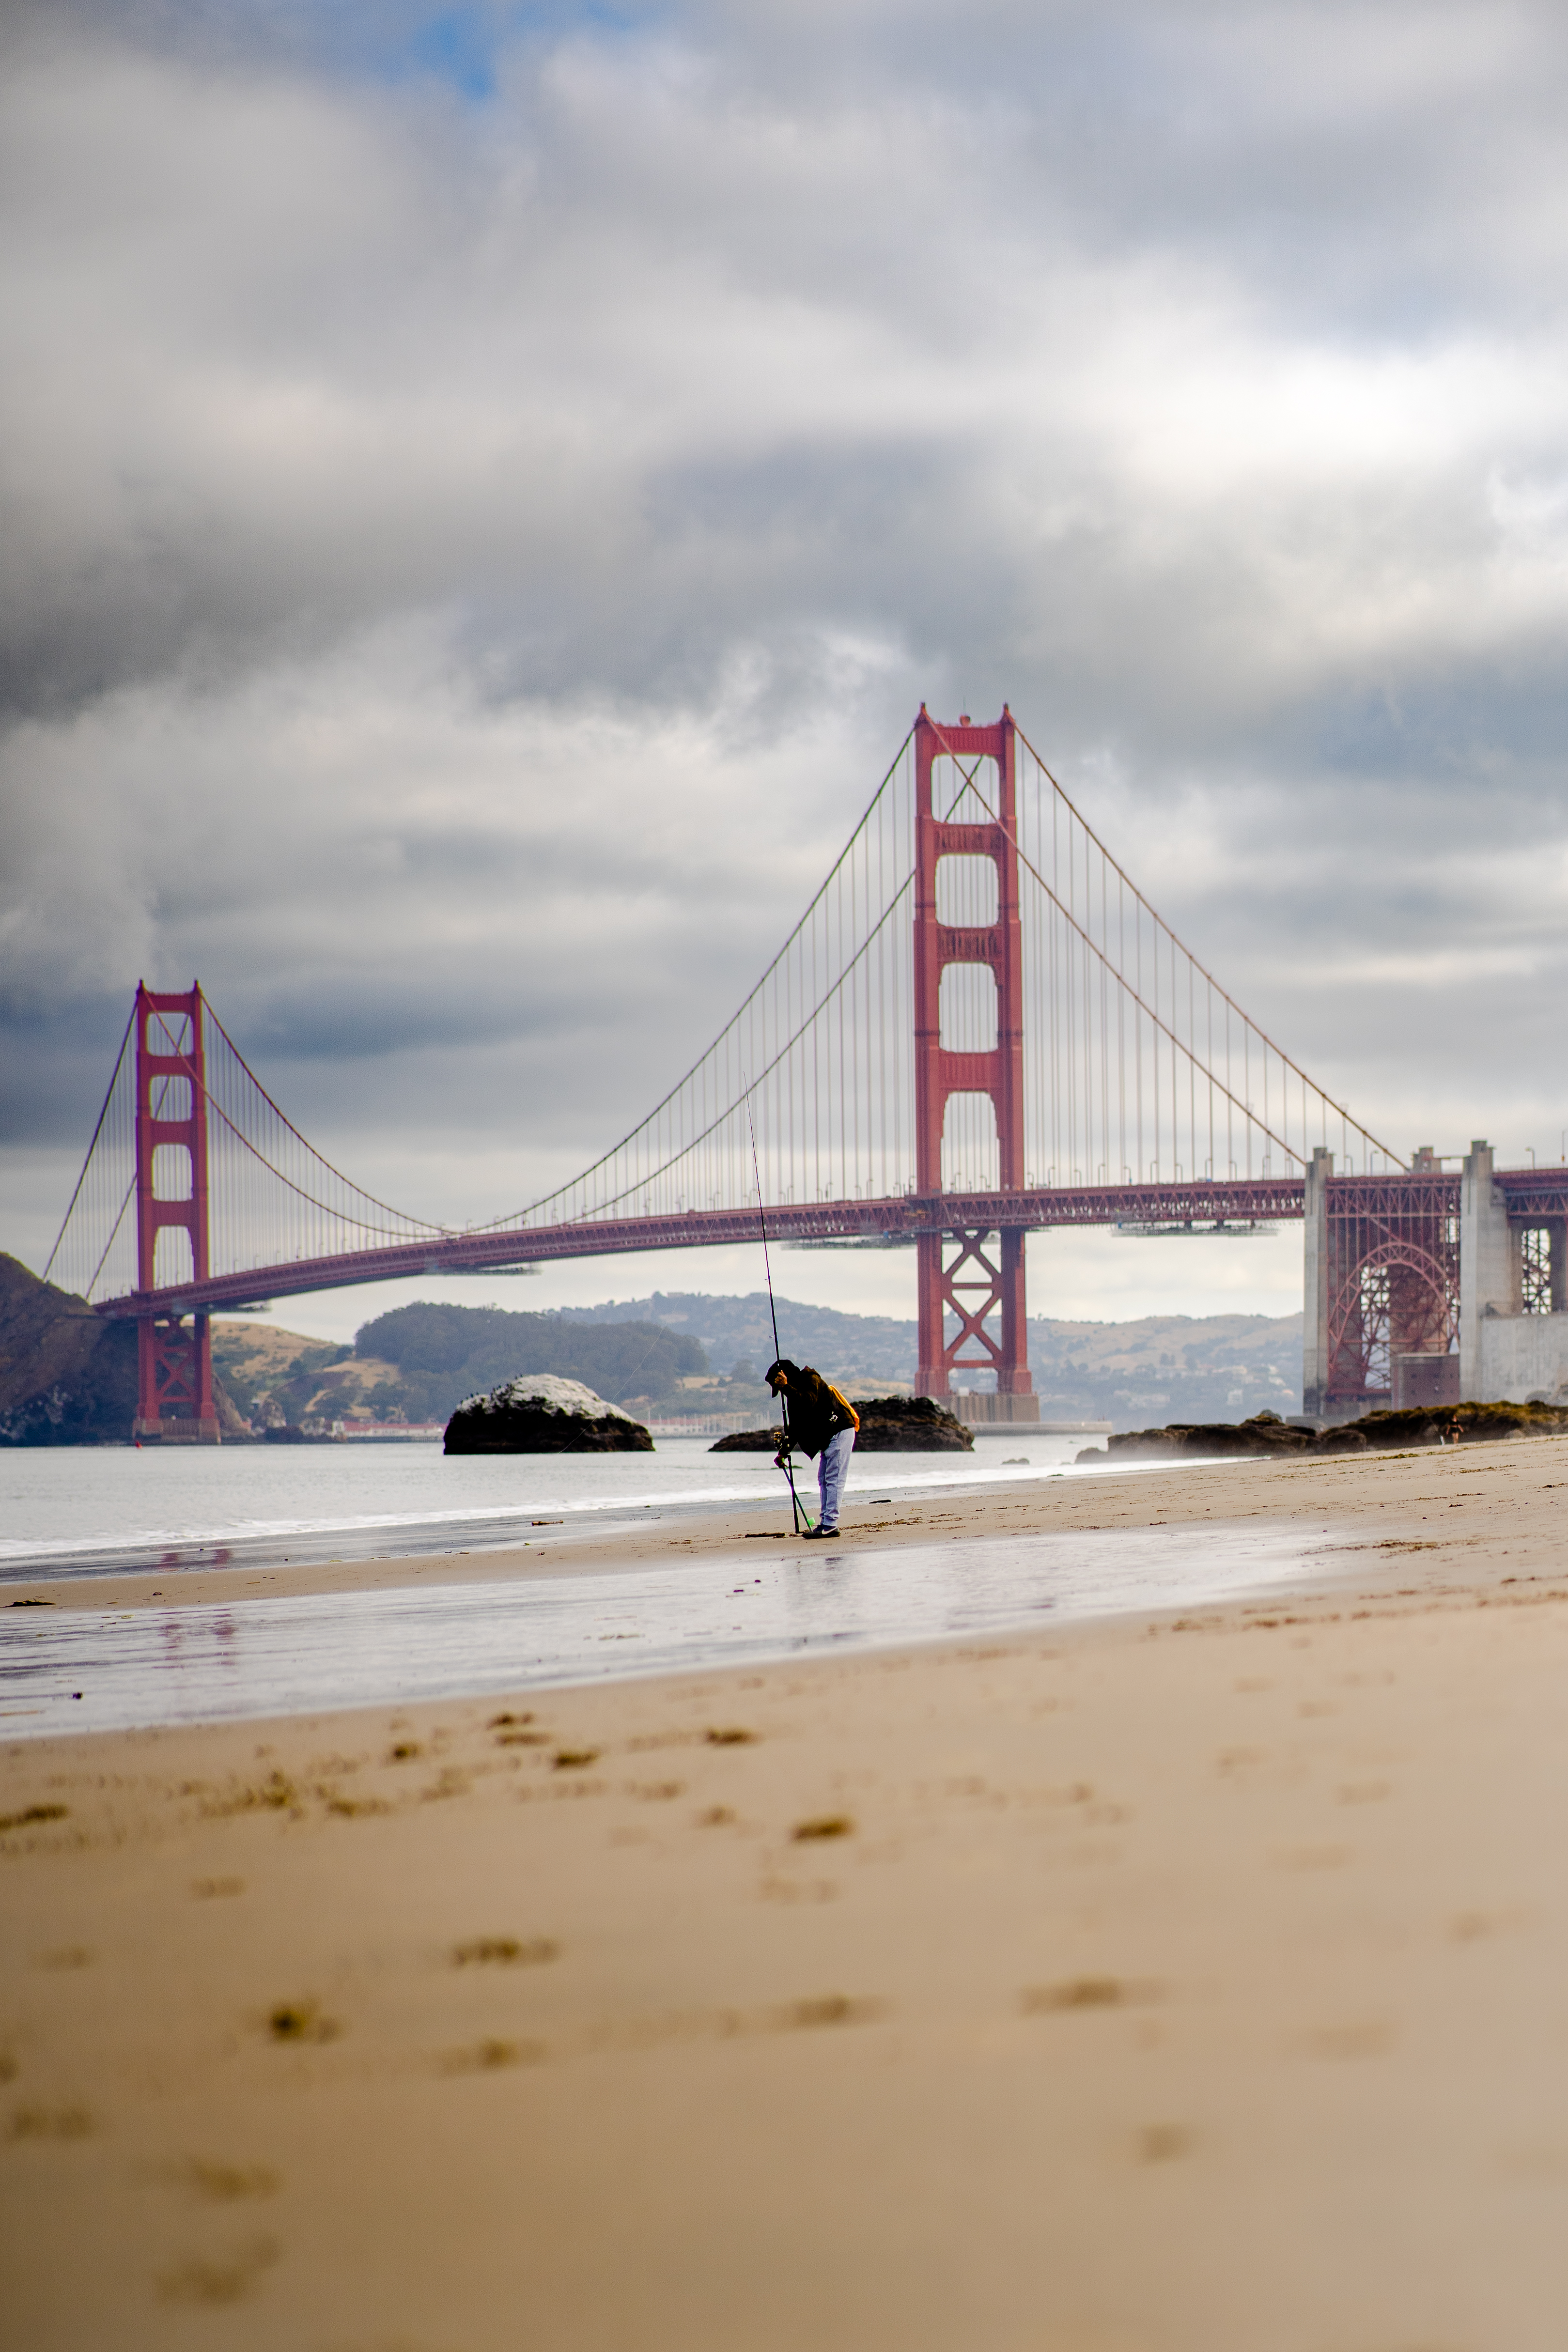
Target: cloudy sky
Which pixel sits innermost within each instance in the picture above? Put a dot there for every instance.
(485, 491)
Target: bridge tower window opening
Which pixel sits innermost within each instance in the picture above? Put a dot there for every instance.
(966, 892)
(970, 1145)
(968, 1010)
(173, 1260)
(173, 1170)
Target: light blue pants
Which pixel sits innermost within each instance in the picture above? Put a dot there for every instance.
(832, 1467)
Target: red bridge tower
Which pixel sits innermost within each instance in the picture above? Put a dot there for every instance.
(985, 1274)
(174, 1358)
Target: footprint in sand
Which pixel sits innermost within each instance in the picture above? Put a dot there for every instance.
(301, 2021)
(506, 1952)
(51, 2123)
(488, 2057)
(1086, 1993)
(228, 2279)
(221, 2184)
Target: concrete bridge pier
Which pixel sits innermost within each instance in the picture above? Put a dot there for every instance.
(1513, 1290)
(1315, 1288)
(1487, 1277)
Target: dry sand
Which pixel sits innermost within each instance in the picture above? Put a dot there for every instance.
(1193, 1985)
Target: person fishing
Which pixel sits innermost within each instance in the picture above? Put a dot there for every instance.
(818, 1421)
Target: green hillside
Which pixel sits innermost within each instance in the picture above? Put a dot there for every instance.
(443, 1354)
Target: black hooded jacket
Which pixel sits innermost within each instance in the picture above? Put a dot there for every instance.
(814, 1412)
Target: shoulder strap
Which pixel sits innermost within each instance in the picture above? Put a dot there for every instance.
(840, 1399)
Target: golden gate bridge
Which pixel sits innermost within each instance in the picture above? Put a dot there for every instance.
(980, 1027)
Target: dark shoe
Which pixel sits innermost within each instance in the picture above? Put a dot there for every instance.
(819, 1535)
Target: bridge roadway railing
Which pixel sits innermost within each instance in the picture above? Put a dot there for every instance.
(1259, 1199)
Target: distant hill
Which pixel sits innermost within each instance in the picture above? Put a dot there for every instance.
(1179, 1367)
(418, 1362)
(684, 1351)
(738, 1330)
(1182, 1367)
(447, 1353)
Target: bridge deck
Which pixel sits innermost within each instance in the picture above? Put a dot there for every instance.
(1537, 1192)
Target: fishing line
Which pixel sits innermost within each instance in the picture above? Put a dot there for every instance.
(787, 1462)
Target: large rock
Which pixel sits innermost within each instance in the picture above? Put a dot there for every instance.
(894, 1425)
(538, 1413)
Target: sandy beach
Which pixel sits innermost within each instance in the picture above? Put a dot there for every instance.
(1157, 1985)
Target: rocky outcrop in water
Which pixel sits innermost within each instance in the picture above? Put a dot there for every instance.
(1228, 1441)
(894, 1425)
(538, 1413)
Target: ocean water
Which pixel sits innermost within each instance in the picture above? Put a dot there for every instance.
(89, 1510)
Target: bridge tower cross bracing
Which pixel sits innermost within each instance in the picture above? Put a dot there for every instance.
(175, 1362)
(982, 1285)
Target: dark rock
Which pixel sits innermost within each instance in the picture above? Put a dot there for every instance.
(1424, 1425)
(1212, 1440)
(900, 1424)
(1464, 1423)
(538, 1413)
(894, 1425)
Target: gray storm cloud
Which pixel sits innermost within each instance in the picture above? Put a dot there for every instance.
(476, 523)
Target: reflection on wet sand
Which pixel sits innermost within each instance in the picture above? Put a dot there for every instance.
(312, 1651)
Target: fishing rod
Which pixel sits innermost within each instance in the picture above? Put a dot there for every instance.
(786, 1460)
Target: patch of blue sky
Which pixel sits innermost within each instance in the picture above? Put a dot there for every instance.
(465, 46)
(462, 47)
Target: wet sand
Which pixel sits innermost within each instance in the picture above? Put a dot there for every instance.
(1157, 1986)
